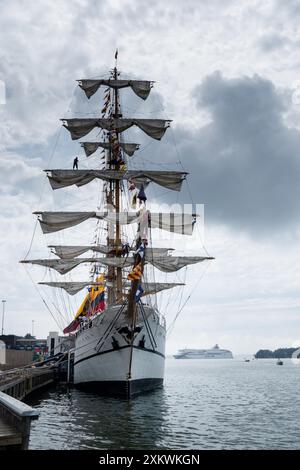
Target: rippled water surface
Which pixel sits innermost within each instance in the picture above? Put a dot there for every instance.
(205, 404)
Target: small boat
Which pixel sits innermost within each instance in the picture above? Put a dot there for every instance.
(247, 360)
(279, 362)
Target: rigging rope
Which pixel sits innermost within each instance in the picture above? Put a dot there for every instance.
(169, 330)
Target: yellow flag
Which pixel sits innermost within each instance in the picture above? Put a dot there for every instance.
(91, 296)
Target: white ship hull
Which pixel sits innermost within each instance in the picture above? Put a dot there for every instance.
(105, 359)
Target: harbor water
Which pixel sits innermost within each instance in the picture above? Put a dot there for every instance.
(205, 404)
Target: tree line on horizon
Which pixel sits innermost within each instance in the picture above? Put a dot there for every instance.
(280, 353)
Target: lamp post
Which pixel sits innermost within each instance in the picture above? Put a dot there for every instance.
(3, 312)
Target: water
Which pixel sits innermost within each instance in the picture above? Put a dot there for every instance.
(205, 404)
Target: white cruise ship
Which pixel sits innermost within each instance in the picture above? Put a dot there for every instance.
(214, 353)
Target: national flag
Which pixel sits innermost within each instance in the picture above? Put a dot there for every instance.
(131, 185)
(141, 250)
(116, 54)
(136, 273)
(133, 201)
(72, 326)
(93, 303)
(142, 195)
(144, 224)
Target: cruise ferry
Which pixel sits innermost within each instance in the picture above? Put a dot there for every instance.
(214, 353)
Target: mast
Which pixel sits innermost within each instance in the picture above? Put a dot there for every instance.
(113, 199)
(117, 186)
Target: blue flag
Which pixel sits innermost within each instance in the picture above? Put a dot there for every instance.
(139, 293)
(141, 250)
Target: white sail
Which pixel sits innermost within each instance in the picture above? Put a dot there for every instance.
(63, 266)
(68, 252)
(91, 147)
(167, 179)
(166, 264)
(174, 263)
(72, 288)
(175, 223)
(79, 127)
(155, 287)
(140, 87)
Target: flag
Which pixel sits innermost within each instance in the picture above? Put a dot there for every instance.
(139, 293)
(136, 273)
(142, 195)
(144, 224)
(133, 201)
(131, 185)
(141, 250)
(116, 54)
(72, 326)
(97, 305)
(93, 303)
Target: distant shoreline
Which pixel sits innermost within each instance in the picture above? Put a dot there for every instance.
(281, 353)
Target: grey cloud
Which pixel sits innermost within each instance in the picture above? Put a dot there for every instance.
(274, 42)
(270, 42)
(244, 165)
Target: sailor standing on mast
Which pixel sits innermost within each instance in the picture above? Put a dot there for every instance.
(75, 163)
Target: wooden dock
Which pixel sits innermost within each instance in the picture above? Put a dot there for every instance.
(22, 382)
(15, 421)
(16, 416)
(9, 435)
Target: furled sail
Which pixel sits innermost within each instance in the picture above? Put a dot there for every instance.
(167, 179)
(175, 223)
(72, 288)
(140, 87)
(155, 287)
(63, 266)
(91, 147)
(68, 252)
(79, 127)
(171, 264)
(166, 264)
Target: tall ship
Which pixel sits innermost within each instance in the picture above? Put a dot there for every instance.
(213, 353)
(120, 333)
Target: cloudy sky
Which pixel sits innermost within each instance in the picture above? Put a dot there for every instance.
(228, 74)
